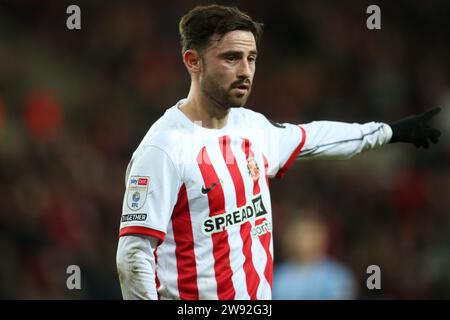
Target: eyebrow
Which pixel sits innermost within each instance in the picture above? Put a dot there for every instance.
(238, 53)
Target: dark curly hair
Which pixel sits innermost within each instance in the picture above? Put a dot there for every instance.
(199, 24)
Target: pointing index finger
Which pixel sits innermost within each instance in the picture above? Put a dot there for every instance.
(431, 113)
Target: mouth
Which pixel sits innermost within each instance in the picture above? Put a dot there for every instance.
(243, 88)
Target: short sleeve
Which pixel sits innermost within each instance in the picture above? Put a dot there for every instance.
(152, 186)
(285, 142)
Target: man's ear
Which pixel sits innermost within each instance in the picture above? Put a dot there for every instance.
(192, 60)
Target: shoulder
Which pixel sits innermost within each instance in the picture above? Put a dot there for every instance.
(333, 266)
(250, 119)
(163, 140)
(286, 269)
(254, 118)
(246, 114)
(165, 133)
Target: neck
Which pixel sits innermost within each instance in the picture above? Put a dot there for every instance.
(199, 107)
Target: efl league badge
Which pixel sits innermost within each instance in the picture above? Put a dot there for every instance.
(253, 168)
(137, 192)
(136, 196)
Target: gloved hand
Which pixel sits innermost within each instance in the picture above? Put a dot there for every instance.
(415, 130)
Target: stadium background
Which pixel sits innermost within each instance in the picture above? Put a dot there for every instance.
(75, 104)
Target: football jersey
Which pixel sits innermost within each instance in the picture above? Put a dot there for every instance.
(204, 193)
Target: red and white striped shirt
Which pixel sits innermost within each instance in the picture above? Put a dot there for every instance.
(204, 193)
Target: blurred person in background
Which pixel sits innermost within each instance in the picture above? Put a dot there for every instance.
(309, 272)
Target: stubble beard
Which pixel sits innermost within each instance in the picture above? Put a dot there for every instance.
(224, 99)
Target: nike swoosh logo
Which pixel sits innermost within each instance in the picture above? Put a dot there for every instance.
(206, 190)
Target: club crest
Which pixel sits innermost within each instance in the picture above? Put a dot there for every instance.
(253, 168)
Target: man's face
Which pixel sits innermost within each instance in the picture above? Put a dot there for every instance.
(228, 68)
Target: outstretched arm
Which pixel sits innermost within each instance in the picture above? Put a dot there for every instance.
(338, 140)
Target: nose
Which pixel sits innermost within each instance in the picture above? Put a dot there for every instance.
(245, 69)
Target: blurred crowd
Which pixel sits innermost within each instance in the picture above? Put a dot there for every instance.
(74, 104)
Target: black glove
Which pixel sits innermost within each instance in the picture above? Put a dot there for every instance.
(415, 129)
